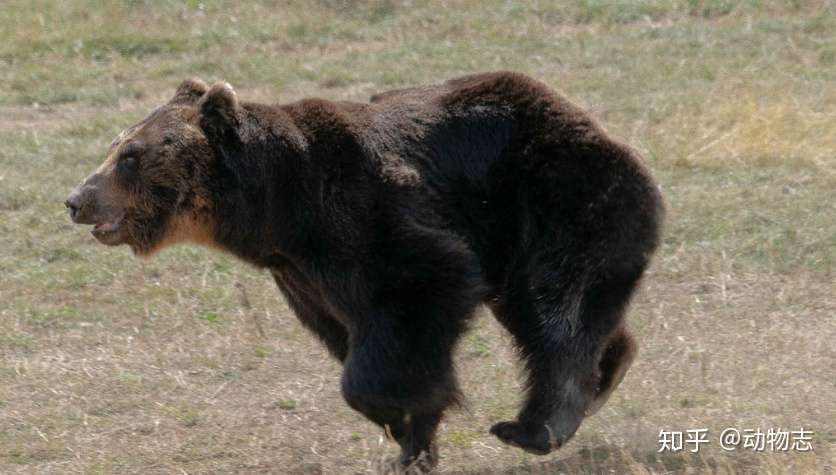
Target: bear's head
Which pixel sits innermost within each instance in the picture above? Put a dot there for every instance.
(155, 186)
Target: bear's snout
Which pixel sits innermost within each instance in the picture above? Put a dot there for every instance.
(83, 202)
(80, 206)
(95, 202)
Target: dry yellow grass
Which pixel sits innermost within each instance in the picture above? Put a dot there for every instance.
(751, 128)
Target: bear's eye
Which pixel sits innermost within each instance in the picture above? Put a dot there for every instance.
(129, 157)
(127, 161)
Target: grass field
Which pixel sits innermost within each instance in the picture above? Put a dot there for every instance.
(192, 363)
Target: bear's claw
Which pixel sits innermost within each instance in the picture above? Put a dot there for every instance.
(422, 465)
(536, 440)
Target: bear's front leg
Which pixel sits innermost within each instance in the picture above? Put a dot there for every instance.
(402, 380)
(415, 435)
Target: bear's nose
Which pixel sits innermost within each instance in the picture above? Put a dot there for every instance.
(74, 204)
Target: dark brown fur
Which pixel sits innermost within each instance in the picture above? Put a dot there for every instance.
(386, 224)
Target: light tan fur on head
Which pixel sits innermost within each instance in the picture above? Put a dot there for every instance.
(187, 228)
(152, 190)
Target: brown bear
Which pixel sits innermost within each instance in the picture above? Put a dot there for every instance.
(385, 224)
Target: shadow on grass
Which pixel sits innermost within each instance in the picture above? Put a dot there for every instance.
(611, 459)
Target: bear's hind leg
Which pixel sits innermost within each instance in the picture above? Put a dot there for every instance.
(615, 361)
(561, 325)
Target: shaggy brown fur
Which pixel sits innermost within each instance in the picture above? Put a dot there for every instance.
(385, 224)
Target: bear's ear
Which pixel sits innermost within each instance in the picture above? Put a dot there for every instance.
(190, 91)
(218, 110)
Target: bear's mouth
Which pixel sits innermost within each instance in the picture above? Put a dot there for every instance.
(109, 232)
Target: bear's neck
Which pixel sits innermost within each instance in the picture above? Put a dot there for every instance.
(282, 184)
(258, 179)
